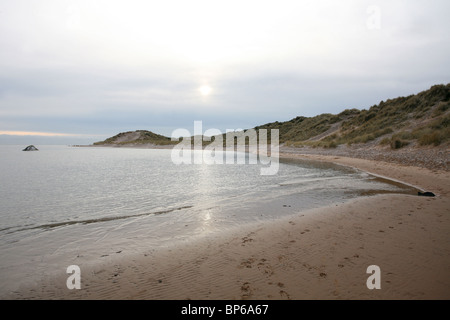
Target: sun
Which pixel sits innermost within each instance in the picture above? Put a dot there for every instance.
(205, 90)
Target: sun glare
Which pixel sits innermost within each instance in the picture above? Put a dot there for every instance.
(205, 90)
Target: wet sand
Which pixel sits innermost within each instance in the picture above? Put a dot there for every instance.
(317, 254)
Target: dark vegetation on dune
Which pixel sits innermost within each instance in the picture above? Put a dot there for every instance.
(419, 120)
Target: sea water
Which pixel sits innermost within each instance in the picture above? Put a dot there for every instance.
(66, 205)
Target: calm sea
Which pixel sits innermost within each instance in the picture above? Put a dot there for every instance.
(70, 205)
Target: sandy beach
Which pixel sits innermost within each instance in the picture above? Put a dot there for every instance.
(317, 254)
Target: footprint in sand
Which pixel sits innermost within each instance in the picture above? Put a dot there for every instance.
(246, 291)
(247, 263)
(265, 268)
(284, 294)
(246, 239)
(307, 266)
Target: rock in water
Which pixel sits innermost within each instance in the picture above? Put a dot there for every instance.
(31, 148)
(426, 194)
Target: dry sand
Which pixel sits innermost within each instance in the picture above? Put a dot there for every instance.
(318, 254)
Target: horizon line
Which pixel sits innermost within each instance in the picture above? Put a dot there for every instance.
(46, 134)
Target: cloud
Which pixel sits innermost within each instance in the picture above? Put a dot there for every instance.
(96, 67)
(39, 134)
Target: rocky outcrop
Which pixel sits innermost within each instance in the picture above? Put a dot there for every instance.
(31, 148)
(426, 194)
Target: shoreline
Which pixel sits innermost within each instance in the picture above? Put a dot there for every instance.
(417, 177)
(433, 158)
(317, 254)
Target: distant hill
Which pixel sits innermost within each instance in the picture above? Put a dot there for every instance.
(138, 137)
(416, 120)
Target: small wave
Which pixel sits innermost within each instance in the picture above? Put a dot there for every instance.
(305, 181)
(89, 221)
(9, 228)
(4, 229)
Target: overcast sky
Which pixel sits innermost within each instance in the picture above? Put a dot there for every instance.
(81, 71)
